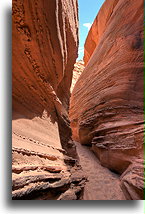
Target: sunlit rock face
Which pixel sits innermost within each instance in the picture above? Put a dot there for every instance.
(77, 71)
(106, 109)
(45, 46)
(45, 43)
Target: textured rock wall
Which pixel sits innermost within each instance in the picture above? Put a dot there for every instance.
(45, 43)
(98, 28)
(77, 71)
(106, 109)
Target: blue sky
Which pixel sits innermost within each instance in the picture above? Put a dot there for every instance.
(88, 9)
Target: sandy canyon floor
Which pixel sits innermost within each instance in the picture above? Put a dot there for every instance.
(102, 184)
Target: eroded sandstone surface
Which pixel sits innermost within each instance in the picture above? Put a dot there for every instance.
(45, 45)
(77, 71)
(106, 109)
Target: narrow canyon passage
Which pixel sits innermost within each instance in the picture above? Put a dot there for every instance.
(102, 184)
(95, 98)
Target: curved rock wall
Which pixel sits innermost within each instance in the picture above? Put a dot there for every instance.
(98, 28)
(106, 109)
(45, 45)
(45, 42)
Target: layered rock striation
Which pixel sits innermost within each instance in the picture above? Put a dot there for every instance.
(106, 109)
(45, 45)
(77, 71)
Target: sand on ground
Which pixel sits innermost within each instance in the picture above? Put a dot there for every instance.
(102, 184)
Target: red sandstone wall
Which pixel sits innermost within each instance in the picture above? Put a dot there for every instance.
(106, 109)
(45, 46)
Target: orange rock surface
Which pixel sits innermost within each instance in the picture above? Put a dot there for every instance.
(98, 28)
(45, 45)
(106, 109)
(77, 71)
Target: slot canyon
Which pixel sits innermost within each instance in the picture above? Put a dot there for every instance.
(77, 126)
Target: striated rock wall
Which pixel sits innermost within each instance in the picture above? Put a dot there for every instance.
(45, 45)
(44, 49)
(98, 28)
(77, 71)
(106, 109)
